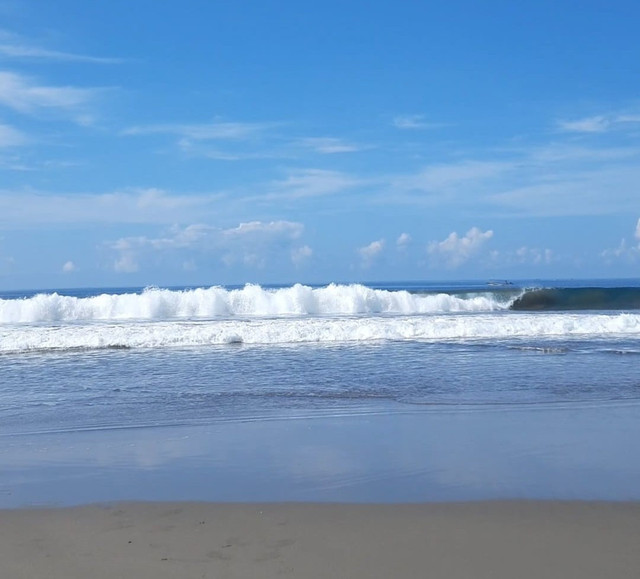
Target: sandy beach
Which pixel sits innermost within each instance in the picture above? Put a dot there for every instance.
(194, 540)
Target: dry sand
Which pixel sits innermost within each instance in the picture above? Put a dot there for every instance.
(515, 540)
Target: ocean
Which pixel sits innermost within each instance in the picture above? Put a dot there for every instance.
(370, 393)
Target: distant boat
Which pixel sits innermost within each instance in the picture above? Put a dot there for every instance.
(499, 283)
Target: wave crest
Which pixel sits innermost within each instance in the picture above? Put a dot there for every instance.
(250, 301)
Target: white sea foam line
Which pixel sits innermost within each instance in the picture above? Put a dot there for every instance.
(501, 325)
(252, 301)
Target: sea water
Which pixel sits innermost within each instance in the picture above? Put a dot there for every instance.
(338, 392)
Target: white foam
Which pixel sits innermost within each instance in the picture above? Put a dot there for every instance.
(300, 330)
(250, 301)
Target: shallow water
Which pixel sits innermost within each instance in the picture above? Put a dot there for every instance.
(165, 387)
(561, 452)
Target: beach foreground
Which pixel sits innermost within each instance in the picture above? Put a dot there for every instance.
(481, 539)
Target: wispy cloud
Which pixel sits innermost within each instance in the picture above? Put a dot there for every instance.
(442, 179)
(554, 179)
(26, 52)
(10, 137)
(240, 141)
(303, 183)
(218, 155)
(330, 145)
(215, 131)
(233, 150)
(35, 53)
(16, 47)
(439, 177)
(220, 141)
(24, 208)
(599, 123)
(570, 155)
(26, 96)
(413, 122)
(598, 189)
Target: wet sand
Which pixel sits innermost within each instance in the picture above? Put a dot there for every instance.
(523, 539)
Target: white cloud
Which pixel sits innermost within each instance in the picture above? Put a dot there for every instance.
(68, 267)
(534, 255)
(126, 263)
(522, 256)
(203, 236)
(456, 250)
(403, 240)
(22, 94)
(625, 251)
(253, 244)
(258, 228)
(370, 252)
(301, 254)
(373, 249)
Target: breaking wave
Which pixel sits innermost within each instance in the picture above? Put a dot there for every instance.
(250, 301)
(163, 318)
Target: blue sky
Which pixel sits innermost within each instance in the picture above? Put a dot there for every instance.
(210, 142)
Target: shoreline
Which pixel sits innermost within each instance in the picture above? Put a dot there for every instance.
(195, 539)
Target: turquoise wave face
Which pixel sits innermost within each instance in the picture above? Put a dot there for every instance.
(584, 298)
